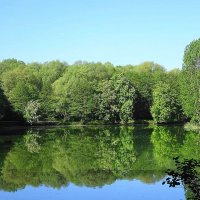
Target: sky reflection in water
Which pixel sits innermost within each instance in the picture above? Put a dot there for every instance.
(119, 190)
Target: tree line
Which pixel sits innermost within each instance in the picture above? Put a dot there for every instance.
(101, 92)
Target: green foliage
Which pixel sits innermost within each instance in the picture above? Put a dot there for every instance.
(165, 146)
(80, 158)
(9, 64)
(117, 97)
(20, 86)
(31, 142)
(75, 94)
(2, 104)
(189, 151)
(85, 92)
(166, 105)
(109, 110)
(144, 76)
(117, 151)
(48, 73)
(190, 81)
(93, 156)
(31, 111)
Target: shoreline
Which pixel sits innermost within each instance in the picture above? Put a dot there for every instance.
(78, 124)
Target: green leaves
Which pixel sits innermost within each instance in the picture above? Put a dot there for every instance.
(20, 86)
(190, 81)
(85, 92)
(166, 105)
(84, 156)
(143, 77)
(93, 156)
(3, 104)
(117, 99)
(31, 111)
(77, 90)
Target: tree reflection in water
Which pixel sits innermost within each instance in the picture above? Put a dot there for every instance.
(93, 156)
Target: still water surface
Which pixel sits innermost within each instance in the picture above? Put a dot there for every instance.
(92, 162)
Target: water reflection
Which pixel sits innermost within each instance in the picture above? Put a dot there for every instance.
(92, 156)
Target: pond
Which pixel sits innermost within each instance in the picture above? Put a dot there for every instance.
(96, 162)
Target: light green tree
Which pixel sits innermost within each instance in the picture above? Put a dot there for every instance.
(32, 110)
(117, 98)
(166, 105)
(190, 81)
(75, 94)
(20, 86)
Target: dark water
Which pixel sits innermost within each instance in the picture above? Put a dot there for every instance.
(93, 162)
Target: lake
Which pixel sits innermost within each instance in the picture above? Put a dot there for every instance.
(94, 162)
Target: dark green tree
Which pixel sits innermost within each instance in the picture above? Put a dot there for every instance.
(144, 76)
(2, 104)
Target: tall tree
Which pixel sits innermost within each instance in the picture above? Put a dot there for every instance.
(20, 86)
(117, 99)
(190, 81)
(75, 93)
(144, 76)
(166, 106)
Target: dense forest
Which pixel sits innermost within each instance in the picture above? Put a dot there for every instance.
(101, 92)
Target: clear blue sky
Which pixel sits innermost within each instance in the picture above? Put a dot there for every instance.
(119, 31)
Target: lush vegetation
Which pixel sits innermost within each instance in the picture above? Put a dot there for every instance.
(96, 92)
(190, 81)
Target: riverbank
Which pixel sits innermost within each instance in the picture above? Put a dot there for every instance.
(80, 123)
